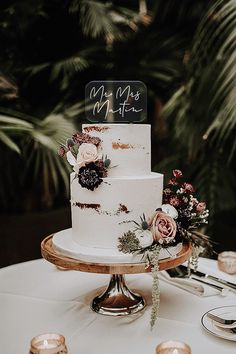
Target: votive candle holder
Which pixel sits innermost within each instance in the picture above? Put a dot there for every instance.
(48, 343)
(227, 262)
(173, 347)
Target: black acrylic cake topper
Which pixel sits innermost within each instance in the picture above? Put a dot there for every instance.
(115, 101)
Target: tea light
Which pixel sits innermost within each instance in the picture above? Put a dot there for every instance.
(173, 347)
(49, 343)
(227, 262)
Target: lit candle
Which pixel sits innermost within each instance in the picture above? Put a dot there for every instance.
(173, 347)
(49, 343)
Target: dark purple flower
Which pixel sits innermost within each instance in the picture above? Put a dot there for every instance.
(90, 176)
(184, 218)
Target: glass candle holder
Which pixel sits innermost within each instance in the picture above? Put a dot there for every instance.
(48, 343)
(227, 262)
(173, 347)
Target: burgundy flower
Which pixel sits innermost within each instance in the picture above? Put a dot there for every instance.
(61, 151)
(85, 138)
(177, 174)
(201, 207)
(188, 188)
(174, 201)
(101, 167)
(173, 182)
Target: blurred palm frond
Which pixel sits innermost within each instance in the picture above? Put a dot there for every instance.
(210, 88)
(39, 169)
(203, 111)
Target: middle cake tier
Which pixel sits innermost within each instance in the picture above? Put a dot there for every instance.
(99, 217)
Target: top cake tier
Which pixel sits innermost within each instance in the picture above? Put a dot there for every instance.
(128, 146)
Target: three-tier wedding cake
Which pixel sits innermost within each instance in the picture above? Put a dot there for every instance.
(104, 204)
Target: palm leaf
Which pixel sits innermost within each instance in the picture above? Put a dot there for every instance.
(43, 159)
(94, 17)
(4, 138)
(209, 90)
(202, 112)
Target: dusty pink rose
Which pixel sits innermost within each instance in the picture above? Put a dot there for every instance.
(188, 188)
(163, 227)
(177, 173)
(201, 207)
(86, 153)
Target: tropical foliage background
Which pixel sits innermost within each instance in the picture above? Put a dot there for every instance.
(184, 52)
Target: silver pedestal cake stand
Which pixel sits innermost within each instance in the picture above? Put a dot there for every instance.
(117, 299)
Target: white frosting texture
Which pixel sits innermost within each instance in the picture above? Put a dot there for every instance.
(128, 146)
(64, 244)
(99, 217)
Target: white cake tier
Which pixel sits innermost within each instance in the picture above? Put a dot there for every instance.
(64, 244)
(128, 146)
(99, 217)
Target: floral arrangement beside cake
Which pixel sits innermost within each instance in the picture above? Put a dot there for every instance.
(178, 219)
(120, 212)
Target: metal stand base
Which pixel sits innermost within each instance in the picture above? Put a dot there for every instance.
(117, 300)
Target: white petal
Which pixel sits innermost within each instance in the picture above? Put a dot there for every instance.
(76, 168)
(70, 158)
(170, 210)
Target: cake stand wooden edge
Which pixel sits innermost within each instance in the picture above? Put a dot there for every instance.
(108, 268)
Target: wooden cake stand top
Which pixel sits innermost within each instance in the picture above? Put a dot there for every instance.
(109, 268)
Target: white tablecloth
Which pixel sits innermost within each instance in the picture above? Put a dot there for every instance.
(36, 297)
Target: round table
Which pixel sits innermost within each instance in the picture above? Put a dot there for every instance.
(37, 298)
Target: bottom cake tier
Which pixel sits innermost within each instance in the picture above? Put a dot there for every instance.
(101, 216)
(64, 244)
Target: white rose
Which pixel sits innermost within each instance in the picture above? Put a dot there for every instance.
(145, 237)
(170, 210)
(86, 153)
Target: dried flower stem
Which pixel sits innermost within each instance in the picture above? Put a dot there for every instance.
(153, 260)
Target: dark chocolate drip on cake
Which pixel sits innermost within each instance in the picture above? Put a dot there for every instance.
(95, 128)
(87, 206)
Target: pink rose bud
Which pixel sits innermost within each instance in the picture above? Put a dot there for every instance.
(61, 151)
(163, 228)
(201, 207)
(177, 173)
(188, 188)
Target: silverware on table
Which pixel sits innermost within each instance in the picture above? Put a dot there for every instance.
(221, 320)
(181, 272)
(212, 277)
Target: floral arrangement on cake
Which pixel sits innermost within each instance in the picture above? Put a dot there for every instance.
(84, 153)
(177, 220)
